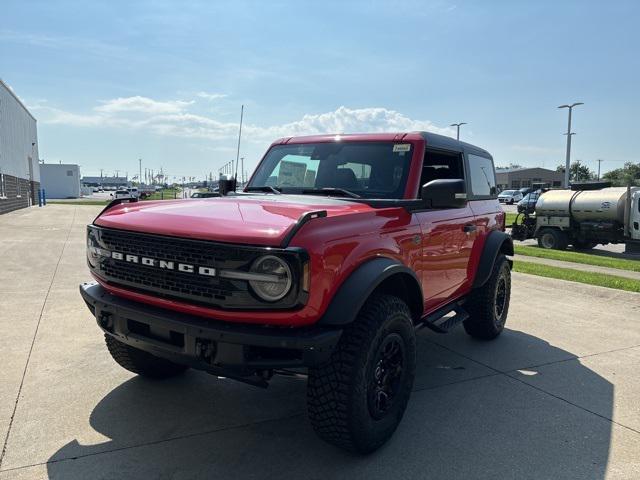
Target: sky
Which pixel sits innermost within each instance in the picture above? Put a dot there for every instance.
(111, 82)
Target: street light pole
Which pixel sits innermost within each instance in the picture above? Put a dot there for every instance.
(599, 162)
(457, 125)
(140, 171)
(568, 134)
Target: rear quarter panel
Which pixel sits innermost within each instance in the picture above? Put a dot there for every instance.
(489, 216)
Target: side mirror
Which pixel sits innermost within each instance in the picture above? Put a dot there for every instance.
(444, 193)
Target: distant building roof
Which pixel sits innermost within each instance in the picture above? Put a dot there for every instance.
(118, 180)
(521, 169)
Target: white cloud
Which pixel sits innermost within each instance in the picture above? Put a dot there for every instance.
(210, 96)
(174, 119)
(142, 105)
(347, 120)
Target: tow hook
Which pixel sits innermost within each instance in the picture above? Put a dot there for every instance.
(106, 321)
(205, 350)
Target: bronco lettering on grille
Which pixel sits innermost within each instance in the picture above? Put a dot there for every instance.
(164, 264)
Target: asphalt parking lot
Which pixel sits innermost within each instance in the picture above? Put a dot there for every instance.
(556, 396)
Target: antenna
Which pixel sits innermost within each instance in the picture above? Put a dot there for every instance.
(238, 152)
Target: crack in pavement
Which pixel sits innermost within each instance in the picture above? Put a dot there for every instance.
(33, 340)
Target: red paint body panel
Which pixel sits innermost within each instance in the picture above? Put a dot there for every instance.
(445, 259)
(253, 221)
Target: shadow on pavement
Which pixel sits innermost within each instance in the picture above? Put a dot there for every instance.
(490, 426)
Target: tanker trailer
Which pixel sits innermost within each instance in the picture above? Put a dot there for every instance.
(584, 218)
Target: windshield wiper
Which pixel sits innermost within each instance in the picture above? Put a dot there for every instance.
(263, 188)
(329, 190)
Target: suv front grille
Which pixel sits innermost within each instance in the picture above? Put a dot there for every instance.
(192, 287)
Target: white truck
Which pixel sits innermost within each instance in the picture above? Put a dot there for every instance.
(583, 218)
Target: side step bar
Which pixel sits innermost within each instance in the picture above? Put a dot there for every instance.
(445, 318)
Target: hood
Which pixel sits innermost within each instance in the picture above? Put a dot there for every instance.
(251, 219)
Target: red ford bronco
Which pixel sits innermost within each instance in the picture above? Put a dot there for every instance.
(339, 248)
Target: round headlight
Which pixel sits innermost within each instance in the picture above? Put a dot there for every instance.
(277, 278)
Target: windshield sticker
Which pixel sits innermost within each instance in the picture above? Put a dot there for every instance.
(291, 174)
(401, 147)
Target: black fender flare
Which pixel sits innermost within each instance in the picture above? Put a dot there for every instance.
(356, 289)
(496, 242)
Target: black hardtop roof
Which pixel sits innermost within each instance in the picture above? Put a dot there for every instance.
(441, 141)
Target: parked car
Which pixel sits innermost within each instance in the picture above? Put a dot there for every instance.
(121, 194)
(525, 190)
(528, 203)
(361, 240)
(510, 196)
(204, 194)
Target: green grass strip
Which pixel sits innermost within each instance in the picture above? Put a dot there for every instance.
(578, 257)
(590, 278)
(511, 217)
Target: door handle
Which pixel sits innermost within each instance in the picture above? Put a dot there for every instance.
(470, 227)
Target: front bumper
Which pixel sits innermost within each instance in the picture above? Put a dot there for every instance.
(218, 347)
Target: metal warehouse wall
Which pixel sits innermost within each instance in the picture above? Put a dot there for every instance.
(60, 180)
(17, 133)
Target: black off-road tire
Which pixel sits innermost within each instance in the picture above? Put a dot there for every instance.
(346, 396)
(141, 362)
(552, 238)
(488, 306)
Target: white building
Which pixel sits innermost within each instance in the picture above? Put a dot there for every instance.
(60, 180)
(19, 168)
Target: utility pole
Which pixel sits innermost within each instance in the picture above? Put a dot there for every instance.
(568, 134)
(140, 171)
(599, 162)
(457, 125)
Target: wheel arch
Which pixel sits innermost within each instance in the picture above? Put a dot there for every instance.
(379, 275)
(497, 242)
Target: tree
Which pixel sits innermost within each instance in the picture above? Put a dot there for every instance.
(627, 175)
(578, 172)
(512, 166)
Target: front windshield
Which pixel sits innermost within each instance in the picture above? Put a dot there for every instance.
(368, 170)
(508, 192)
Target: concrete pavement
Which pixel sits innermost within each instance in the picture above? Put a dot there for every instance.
(554, 397)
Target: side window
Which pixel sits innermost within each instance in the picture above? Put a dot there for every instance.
(483, 177)
(441, 165)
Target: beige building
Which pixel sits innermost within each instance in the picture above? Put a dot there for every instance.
(514, 178)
